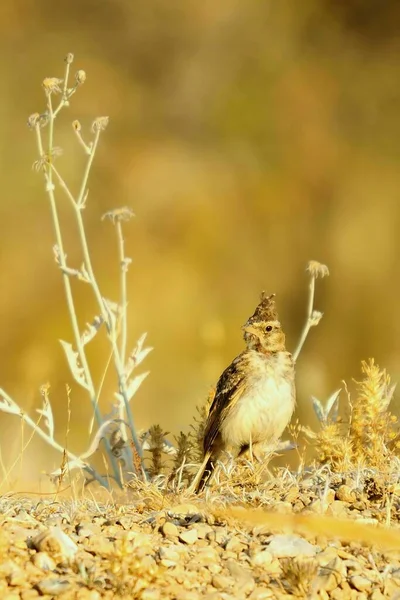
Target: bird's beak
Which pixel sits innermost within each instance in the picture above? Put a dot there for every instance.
(250, 329)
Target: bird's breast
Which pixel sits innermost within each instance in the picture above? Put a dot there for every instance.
(266, 404)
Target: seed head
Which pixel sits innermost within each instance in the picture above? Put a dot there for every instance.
(100, 124)
(52, 85)
(33, 120)
(317, 269)
(119, 214)
(69, 59)
(80, 77)
(315, 318)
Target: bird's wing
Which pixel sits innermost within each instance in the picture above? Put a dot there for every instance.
(229, 389)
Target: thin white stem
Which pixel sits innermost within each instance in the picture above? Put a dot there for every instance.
(82, 142)
(111, 330)
(123, 318)
(308, 324)
(67, 283)
(64, 97)
(123, 273)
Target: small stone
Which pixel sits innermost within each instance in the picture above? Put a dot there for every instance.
(211, 536)
(327, 581)
(53, 587)
(353, 565)
(29, 594)
(377, 595)
(339, 594)
(168, 557)
(260, 593)
(85, 594)
(346, 494)
(262, 558)
(189, 536)
(327, 555)
(234, 545)
(202, 530)
(244, 580)
(150, 594)
(391, 589)
(184, 509)
(222, 582)
(338, 508)
(169, 530)
(127, 522)
(56, 543)
(17, 577)
(207, 556)
(187, 595)
(362, 584)
(84, 532)
(43, 561)
(331, 575)
(283, 507)
(290, 546)
(220, 535)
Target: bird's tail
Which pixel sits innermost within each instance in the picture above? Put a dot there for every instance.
(203, 475)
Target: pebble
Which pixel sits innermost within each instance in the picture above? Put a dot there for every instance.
(234, 545)
(150, 594)
(262, 558)
(362, 584)
(53, 587)
(29, 594)
(169, 530)
(203, 529)
(56, 543)
(261, 593)
(17, 577)
(244, 579)
(43, 561)
(169, 557)
(290, 546)
(184, 510)
(189, 536)
(222, 582)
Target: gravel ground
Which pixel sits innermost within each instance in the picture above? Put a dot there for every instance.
(187, 550)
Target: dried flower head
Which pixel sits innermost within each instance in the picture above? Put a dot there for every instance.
(119, 214)
(76, 125)
(36, 119)
(52, 85)
(69, 59)
(317, 269)
(315, 318)
(33, 120)
(80, 77)
(100, 124)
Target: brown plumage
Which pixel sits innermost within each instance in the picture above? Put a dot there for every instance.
(255, 395)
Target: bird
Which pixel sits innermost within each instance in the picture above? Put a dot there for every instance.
(255, 396)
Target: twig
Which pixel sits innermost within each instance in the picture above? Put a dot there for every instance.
(313, 316)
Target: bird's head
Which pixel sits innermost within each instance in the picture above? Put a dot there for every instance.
(263, 331)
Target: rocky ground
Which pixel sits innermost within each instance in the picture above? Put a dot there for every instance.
(183, 548)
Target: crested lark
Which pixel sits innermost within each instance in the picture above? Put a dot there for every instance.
(255, 395)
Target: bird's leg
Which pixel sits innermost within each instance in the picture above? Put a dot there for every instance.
(251, 450)
(201, 477)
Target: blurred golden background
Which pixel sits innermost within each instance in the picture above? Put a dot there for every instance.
(248, 137)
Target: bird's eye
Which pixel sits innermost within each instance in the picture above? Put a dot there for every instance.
(268, 328)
